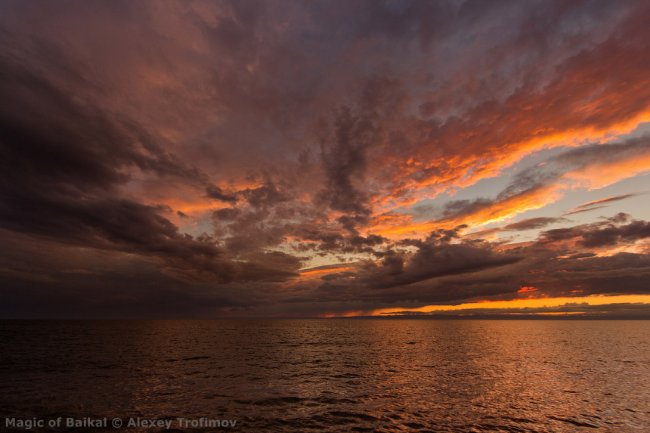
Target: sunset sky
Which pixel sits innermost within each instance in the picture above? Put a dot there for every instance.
(165, 159)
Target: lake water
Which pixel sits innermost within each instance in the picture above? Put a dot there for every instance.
(331, 375)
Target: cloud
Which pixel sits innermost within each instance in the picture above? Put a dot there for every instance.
(598, 204)
(448, 268)
(217, 193)
(266, 195)
(221, 147)
(533, 223)
(525, 224)
(586, 209)
(601, 234)
(63, 180)
(544, 183)
(434, 257)
(345, 146)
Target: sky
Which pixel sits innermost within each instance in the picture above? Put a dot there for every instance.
(190, 159)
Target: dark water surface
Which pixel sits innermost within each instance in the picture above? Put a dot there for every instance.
(334, 375)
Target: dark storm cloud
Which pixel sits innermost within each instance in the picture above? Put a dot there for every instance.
(447, 269)
(345, 161)
(613, 235)
(579, 275)
(62, 180)
(601, 234)
(226, 214)
(73, 148)
(407, 21)
(266, 195)
(346, 144)
(217, 193)
(621, 273)
(468, 277)
(434, 257)
(53, 281)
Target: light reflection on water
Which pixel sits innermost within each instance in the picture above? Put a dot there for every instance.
(336, 375)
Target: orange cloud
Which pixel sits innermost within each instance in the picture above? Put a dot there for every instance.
(595, 175)
(194, 206)
(321, 271)
(595, 96)
(494, 212)
(604, 173)
(527, 290)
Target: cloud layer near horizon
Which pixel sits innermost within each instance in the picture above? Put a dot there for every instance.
(280, 158)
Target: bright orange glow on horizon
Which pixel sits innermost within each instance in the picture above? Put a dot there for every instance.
(528, 303)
